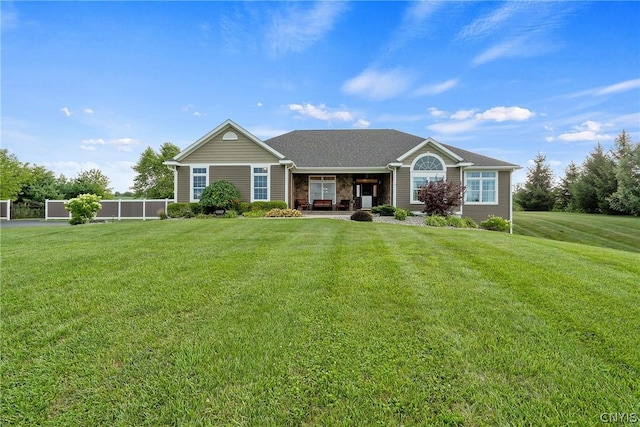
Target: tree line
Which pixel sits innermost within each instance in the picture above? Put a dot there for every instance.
(25, 183)
(606, 182)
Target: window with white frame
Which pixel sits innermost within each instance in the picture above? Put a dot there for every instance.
(259, 183)
(198, 181)
(425, 169)
(322, 187)
(482, 187)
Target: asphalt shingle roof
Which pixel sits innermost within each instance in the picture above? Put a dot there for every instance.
(358, 148)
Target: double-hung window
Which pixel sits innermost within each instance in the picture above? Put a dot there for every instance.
(425, 169)
(259, 183)
(198, 182)
(482, 187)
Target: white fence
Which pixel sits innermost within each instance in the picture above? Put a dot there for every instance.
(113, 209)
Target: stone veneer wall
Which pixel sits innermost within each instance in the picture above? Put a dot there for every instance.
(344, 187)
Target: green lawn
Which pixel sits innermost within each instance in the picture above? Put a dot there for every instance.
(609, 231)
(313, 322)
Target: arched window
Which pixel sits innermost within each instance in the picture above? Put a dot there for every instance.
(424, 169)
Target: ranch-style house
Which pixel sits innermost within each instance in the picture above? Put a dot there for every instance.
(340, 169)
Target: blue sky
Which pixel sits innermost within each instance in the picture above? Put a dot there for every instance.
(92, 84)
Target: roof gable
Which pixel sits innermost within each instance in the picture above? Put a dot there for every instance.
(229, 128)
(431, 142)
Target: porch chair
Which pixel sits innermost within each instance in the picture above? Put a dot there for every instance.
(302, 204)
(344, 204)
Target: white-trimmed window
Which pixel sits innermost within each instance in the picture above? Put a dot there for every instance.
(482, 187)
(199, 179)
(259, 183)
(424, 169)
(322, 187)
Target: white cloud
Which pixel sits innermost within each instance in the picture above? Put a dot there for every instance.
(501, 114)
(606, 90)
(517, 29)
(259, 104)
(436, 113)
(191, 109)
(362, 124)
(587, 131)
(549, 139)
(120, 173)
(619, 87)
(124, 144)
(413, 24)
(462, 114)
(90, 144)
(88, 111)
(66, 111)
(378, 85)
(436, 88)
(266, 132)
(454, 127)
(300, 27)
(466, 120)
(321, 112)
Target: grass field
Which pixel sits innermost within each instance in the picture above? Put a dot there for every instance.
(609, 231)
(313, 322)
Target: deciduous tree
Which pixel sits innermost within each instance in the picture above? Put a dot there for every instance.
(13, 175)
(155, 180)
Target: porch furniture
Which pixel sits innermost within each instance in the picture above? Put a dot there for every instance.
(344, 205)
(323, 204)
(302, 204)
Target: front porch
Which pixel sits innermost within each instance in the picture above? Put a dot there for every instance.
(340, 192)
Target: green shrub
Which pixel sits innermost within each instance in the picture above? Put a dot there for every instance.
(219, 195)
(83, 208)
(496, 223)
(183, 210)
(469, 223)
(162, 214)
(242, 207)
(258, 213)
(267, 206)
(283, 213)
(384, 210)
(435, 221)
(400, 214)
(454, 221)
(230, 214)
(361, 216)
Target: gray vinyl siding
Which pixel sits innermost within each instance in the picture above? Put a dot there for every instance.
(479, 213)
(429, 149)
(242, 150)
(240, 176)
(403, 187)
(277, 189)
(184, 185)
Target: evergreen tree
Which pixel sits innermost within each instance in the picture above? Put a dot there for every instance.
(596, 183)
(626, 198)
(155, 180)
(565, 190)
(538, 193)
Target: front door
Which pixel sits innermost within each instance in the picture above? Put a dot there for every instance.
(366, 193)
